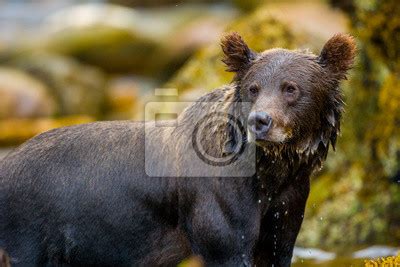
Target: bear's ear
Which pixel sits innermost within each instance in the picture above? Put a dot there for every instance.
(338, 54)
(238, 56)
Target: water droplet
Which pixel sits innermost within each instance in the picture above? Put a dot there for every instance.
(276, 215)
(259, 201)
(242, 236)
(321, 218)
(269, 199)
(243, 255)
(286, 212)
(273, 161)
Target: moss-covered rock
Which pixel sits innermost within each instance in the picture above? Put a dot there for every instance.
(77, 88)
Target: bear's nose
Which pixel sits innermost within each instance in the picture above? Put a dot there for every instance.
(259, 123)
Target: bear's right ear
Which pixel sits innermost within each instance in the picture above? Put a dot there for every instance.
(238, 56)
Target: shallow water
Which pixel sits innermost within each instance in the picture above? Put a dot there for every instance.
(310, 257)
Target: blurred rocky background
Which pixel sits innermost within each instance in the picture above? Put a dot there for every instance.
(65, 62)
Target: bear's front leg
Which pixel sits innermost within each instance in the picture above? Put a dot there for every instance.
(223, 230)
(281, 224)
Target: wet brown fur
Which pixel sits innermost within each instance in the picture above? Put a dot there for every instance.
(322, 126)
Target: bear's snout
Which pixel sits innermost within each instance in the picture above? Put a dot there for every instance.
(259, 124)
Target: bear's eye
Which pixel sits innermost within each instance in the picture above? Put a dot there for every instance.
(254, 89)
(290, 91)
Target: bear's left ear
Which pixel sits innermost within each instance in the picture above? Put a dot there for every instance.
(338, 54)
(238, 56)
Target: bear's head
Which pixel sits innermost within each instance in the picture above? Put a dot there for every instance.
(295, 95)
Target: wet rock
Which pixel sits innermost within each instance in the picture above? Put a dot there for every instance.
(77, 88)
(23, 96)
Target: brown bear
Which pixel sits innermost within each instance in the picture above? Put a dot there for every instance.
(135, 194)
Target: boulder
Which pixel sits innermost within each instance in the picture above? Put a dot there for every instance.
(77, 88)
(24, 96)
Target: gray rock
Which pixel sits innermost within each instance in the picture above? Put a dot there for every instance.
(23, 96)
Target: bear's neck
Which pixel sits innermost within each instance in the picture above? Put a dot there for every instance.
(277, 166)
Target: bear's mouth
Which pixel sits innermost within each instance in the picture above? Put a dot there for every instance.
(262, 142)
(274, 137)
(266, 143)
